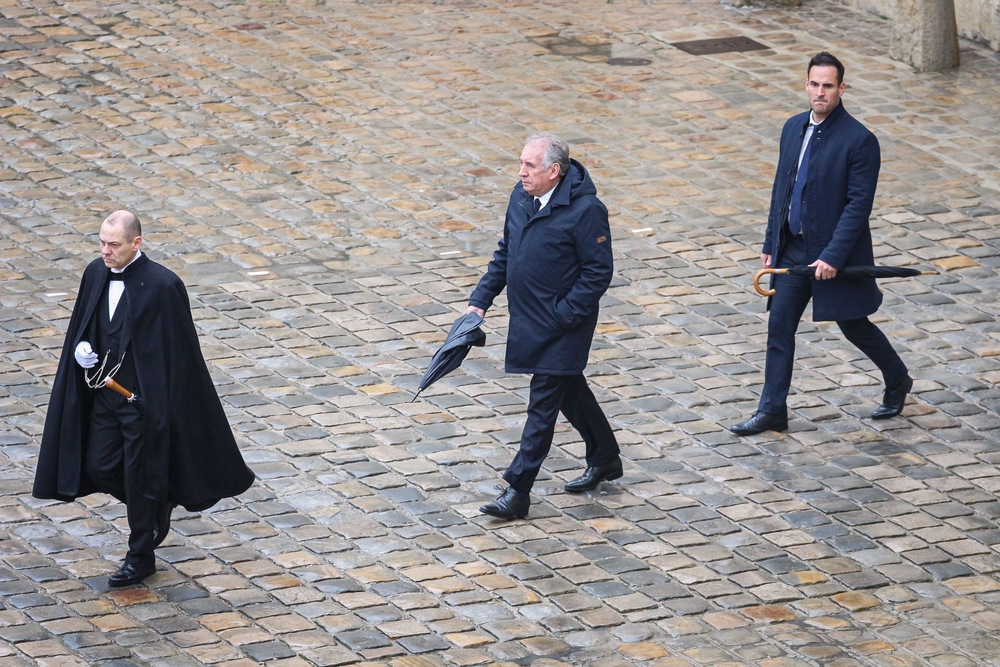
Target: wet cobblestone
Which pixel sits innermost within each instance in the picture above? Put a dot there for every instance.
(329, 179)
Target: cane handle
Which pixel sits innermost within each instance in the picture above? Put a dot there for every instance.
(761, 274)
(111, 384)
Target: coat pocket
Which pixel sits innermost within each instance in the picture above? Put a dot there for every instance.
(563, 317)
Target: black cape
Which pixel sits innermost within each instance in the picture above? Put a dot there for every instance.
(190, 456)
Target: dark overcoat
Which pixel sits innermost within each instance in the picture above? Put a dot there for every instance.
(556, 266)
(189, 454)
(844, 162)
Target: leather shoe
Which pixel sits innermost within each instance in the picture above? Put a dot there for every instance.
(510, 505)
(894, 400)
(593, 476)
(162, 525)
(130, 574)
(760, 422)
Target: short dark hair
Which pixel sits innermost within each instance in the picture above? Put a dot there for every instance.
(133, 228)
(130, 221)
(824, 59)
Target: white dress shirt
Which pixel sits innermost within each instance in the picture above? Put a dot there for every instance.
(544, 199)
(117, 287)
(805, 139)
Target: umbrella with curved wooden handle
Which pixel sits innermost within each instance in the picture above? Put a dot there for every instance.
(846, 272)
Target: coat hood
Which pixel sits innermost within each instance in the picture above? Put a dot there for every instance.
(576, 184)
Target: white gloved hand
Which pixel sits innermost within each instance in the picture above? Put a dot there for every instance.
(85, 355)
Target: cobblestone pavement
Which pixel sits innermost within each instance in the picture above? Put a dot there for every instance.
(329, 179)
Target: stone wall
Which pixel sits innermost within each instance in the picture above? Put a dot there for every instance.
(978, 20)
(924, 34)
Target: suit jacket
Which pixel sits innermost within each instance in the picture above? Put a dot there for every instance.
(837, 202)
(556, 265)
(189, 454)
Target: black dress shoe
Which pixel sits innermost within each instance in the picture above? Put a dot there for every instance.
(130, 574)
(162, 525)
(760, 422)
(894, 400)
(510, 505)
(594, 476)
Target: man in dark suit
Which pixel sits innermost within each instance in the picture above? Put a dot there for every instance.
(821, 202)
(555, 261)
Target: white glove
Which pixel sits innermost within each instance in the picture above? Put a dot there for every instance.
(85, 355)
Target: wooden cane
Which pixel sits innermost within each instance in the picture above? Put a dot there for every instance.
(111, 384)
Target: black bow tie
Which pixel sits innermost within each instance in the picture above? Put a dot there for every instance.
(116, 276)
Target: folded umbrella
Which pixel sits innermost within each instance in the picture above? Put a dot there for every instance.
(846, 272)
(465, 333)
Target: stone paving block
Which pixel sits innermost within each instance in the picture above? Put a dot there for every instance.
(330, 213)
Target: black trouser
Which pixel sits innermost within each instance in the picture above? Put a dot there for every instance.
(550, 395)
(113, 461)
(792, 294)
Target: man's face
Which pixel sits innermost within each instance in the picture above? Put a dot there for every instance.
(535, 180)
(115, 249)
(823, 90)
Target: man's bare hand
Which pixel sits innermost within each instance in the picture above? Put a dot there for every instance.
(765, 261)
(478, 311)
(823, 270)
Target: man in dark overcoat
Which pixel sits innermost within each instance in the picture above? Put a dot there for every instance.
(555, 261)
(821, 202)
(171, 446)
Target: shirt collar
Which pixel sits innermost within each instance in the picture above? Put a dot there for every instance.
(138, 254)
(544, 199)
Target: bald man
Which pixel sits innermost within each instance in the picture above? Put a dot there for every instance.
(170, 446)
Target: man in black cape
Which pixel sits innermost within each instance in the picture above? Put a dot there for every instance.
(132, 321)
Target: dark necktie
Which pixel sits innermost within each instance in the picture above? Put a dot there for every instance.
(116, 276)
(795, 207)
(536, 204)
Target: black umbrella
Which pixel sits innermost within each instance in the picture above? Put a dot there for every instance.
(846, 272)
(465, 333)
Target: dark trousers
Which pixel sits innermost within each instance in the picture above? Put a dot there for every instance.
(113, 461)
(550, 395)
(792, 294)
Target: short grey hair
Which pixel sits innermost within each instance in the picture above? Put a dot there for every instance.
(556, 151)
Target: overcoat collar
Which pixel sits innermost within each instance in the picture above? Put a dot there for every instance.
(131, 269)
(830, 122)
(562, 195)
